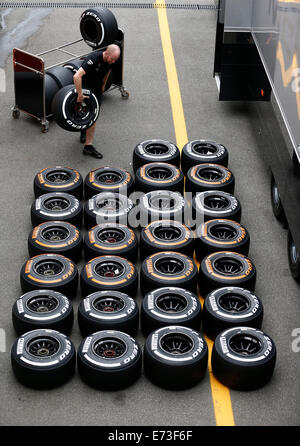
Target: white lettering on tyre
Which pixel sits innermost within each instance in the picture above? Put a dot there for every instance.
(87, 344)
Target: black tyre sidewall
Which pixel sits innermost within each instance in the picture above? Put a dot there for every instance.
(24, 319)
(70, 247)
(94, 216)
(93, 187)
(164, 370)
(238, 372)
(206, 244)
(141, 156)
(194, 183)
(73, 214)
(61, 108)
(150, 243)
(151, 278)
(127, 248)
(150, 214)
(126, 283)
(43, 377)
(65, 282)
(91, 320)
(153, 317)
(107, 25)
(216, 319)
(100, 373)
(211, 279)
(190, 158)
(204, 213)
(144, 182)
(42, 185)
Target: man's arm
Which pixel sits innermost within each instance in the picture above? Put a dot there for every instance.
(78, 84)
(105, 80)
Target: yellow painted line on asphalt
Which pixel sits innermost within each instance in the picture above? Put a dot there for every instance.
(220, 394)
(174, 90)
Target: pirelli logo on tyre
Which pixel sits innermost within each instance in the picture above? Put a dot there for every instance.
(75, 238)
(88, 270)
(131, 272)
(91, 237)
(35, 232)
(149, 264)
(41, 178)
(70, 272)
(28, 267)
(224, 346)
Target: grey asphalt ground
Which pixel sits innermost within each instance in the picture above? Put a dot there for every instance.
(122, 124)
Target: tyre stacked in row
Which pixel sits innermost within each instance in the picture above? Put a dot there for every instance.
(175, 353)
(243, 356)
(43, 356)
(171, 313)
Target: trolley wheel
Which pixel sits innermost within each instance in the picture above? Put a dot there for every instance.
(45, 126)
(15, 113)
(124, 93)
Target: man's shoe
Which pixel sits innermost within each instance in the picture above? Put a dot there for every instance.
(82, 136)
(92, 151)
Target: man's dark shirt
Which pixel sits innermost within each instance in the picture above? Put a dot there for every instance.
(95, 69)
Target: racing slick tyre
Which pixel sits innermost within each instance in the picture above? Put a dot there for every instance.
(72, 115)
(226, 268)
(213, 204)
(108, 179)
(170, 306)
(155, 150)
(61, 75)
(98, 27)
(204, 177)
(107, 207)
(51, 88)
(43, 359)
(58, 179)
(202, 151)
(74, 65)
(175, 357)
(161, 205)
(50, 272)
(243, 358)
(164, 268)
(57, 206)
(159, 176)
(109, 273)
(109, 360)
(111, 238)
(221, 235)
(56, 237)
(293, 257)
(42, 309)
(108, 310)
(230, 307)
(166, 235)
